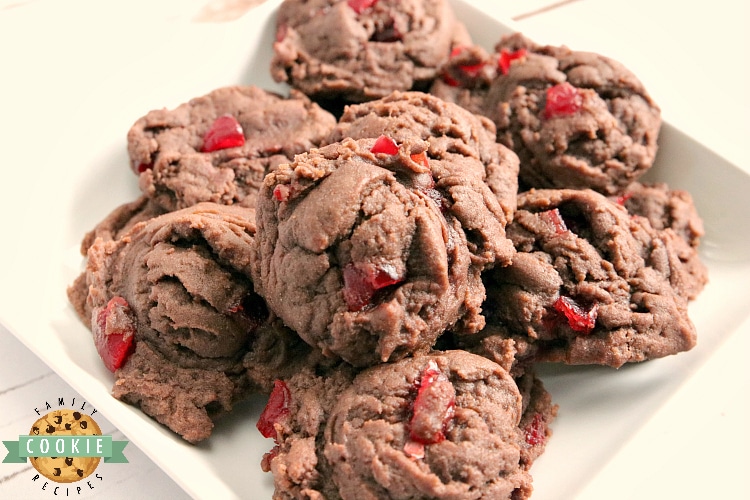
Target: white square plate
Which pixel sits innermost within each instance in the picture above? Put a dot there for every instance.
(85, 174)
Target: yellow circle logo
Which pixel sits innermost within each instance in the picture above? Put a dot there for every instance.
(64, 469)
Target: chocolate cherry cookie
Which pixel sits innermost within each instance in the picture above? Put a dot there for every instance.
(358, 50)
(173, 312)
(576, 119)
(441, 425)
(218, 147)
(588, 285)
(449, 129)
(370, 249)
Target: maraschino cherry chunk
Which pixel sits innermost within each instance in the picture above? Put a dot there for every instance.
(225, 132)
(534, 432)
(276, 409)
(384, 145)
(555, 219)
(580, 319)
(432, 411)
(507, 57)
(360, 6)
(114, 332)
(361, 282)
(563, 99)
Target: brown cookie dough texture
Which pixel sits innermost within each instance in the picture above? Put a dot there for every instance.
(665, 208)
(607, 143)
(165, 146)
(66, 422)
(674, 215)
(534, 430)
(185, 277)
(578, 249)
(450, 130)
(371, 256)
(116, 223)
(362, 50)
(352, 437)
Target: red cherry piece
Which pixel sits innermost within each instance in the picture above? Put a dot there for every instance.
(580, 319)
(450, 80)
(622, 199)
(470, 70)
(361, 283)
(385, 145)
(359, 6)
(265, 462)
(142, 167)
(225, 132)
(276, 409)
(507, 57)
(421, 159)
(282, 192)
(433, 407)
(563, 99)
(534, 431)
(114, 332)
(553, 218)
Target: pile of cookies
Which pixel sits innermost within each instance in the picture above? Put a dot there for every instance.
(390, 250)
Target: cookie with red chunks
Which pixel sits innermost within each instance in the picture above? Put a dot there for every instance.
(588, 285)
(175, 292)
(358, 50)
(218, 147)
(450, 131)
(440, 425)
(371, 249)
(576, 119)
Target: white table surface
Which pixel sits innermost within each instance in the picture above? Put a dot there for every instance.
(701, 432)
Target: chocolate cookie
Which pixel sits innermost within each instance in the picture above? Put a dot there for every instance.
(359, 50)
(588, 285)
(450, 130)
(179, 285)
(65, 422)
(443, 425)
(218, 147)
(370, 249)
(576, 119)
